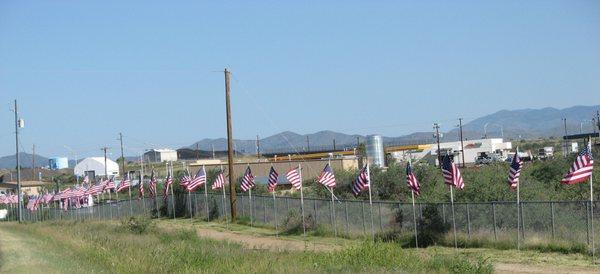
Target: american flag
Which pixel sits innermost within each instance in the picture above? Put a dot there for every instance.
(198, 180)
(79, 191)
(31, 203)
(273, 176)
(152, 185)
(219, 181)
(247, 180)
(125, 183)
(48, 198)
(293, 176)
(411, 180)
(185, 180)
(168, 183)
(141, 187)
(95, 189)
(582, 168)
(515, 171)
(362, 182)
(86, 179)
(327, 178)
(110, 184)
(452, 173)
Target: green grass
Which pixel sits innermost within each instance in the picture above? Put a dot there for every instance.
(111, 246)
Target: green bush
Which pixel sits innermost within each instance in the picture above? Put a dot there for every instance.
(137, 225)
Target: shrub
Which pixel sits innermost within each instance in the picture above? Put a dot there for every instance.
(431, 227)
(137, 225)
(293, 223)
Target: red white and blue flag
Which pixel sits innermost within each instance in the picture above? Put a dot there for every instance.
(141, 187)
(152, 185)
(185, 180)
(219, 181)
(197, 181)
(273, 176)
(411, 180)
(247, 180)
(125, 183)
(293, 176)
(362, 182)
(451, 173)
(327, 178)
(582, 168)
(515, 171)
(168, 183)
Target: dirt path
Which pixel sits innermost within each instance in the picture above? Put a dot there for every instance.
(20, 255)
(265, 242)
(539, 269)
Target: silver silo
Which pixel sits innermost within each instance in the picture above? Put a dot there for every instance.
(375, 151)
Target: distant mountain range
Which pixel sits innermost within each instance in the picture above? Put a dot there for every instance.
(10, 161)
(511, 124)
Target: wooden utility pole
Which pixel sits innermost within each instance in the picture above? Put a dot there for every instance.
(17, 126)
(122, 155)
(33, 163)
(437, 136)
(230, 148)
(462, 146)
(105, 149)
(257, 148)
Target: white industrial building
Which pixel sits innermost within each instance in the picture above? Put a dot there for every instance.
(160, 155)
(472, 149)
(94, 166)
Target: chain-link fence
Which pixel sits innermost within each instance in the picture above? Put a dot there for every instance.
(493, 221)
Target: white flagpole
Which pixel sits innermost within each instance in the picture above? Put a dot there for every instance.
(223, 198)
(332, 205)
(251, 213)
(415, 218)
(370, 202)
(302, 201)
(275, 213)
(172, 196)
(518, 210)
(519, 216)
(453, 218)
(206, 196)
(592, 202)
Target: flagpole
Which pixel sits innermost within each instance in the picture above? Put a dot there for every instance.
(302, 201)
(332, 204)
(275, 213)
(251, 205)
(206, 198)
(370, 201)
(130, 206)
(223, 190)
(172, 195)
(415, 218)
(592, 202)
(518, 215)
(453, 218)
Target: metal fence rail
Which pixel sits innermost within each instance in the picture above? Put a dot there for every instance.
(492, 221)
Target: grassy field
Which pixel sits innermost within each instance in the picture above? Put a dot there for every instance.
(183, 246)
(113, 248)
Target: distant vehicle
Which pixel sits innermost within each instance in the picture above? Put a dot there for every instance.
(484, 158)
(525, 156)
(546, 153)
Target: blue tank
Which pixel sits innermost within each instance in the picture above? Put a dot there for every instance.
(57, 163)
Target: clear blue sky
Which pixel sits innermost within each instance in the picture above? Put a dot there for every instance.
(85, 70)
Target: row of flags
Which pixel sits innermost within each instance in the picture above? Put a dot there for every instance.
(580, 171)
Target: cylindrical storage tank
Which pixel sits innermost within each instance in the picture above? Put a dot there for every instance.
(375, 152)
(57, 163)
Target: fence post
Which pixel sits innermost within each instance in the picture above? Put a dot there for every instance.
(315, 211)
(264, 208)
(444, 212)
(494, 215)
(468, 222)
(346, 212)
(522, 223)
(587, 221)
(242, 203)
(380, 222)
(552, 214)
(362, 208)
